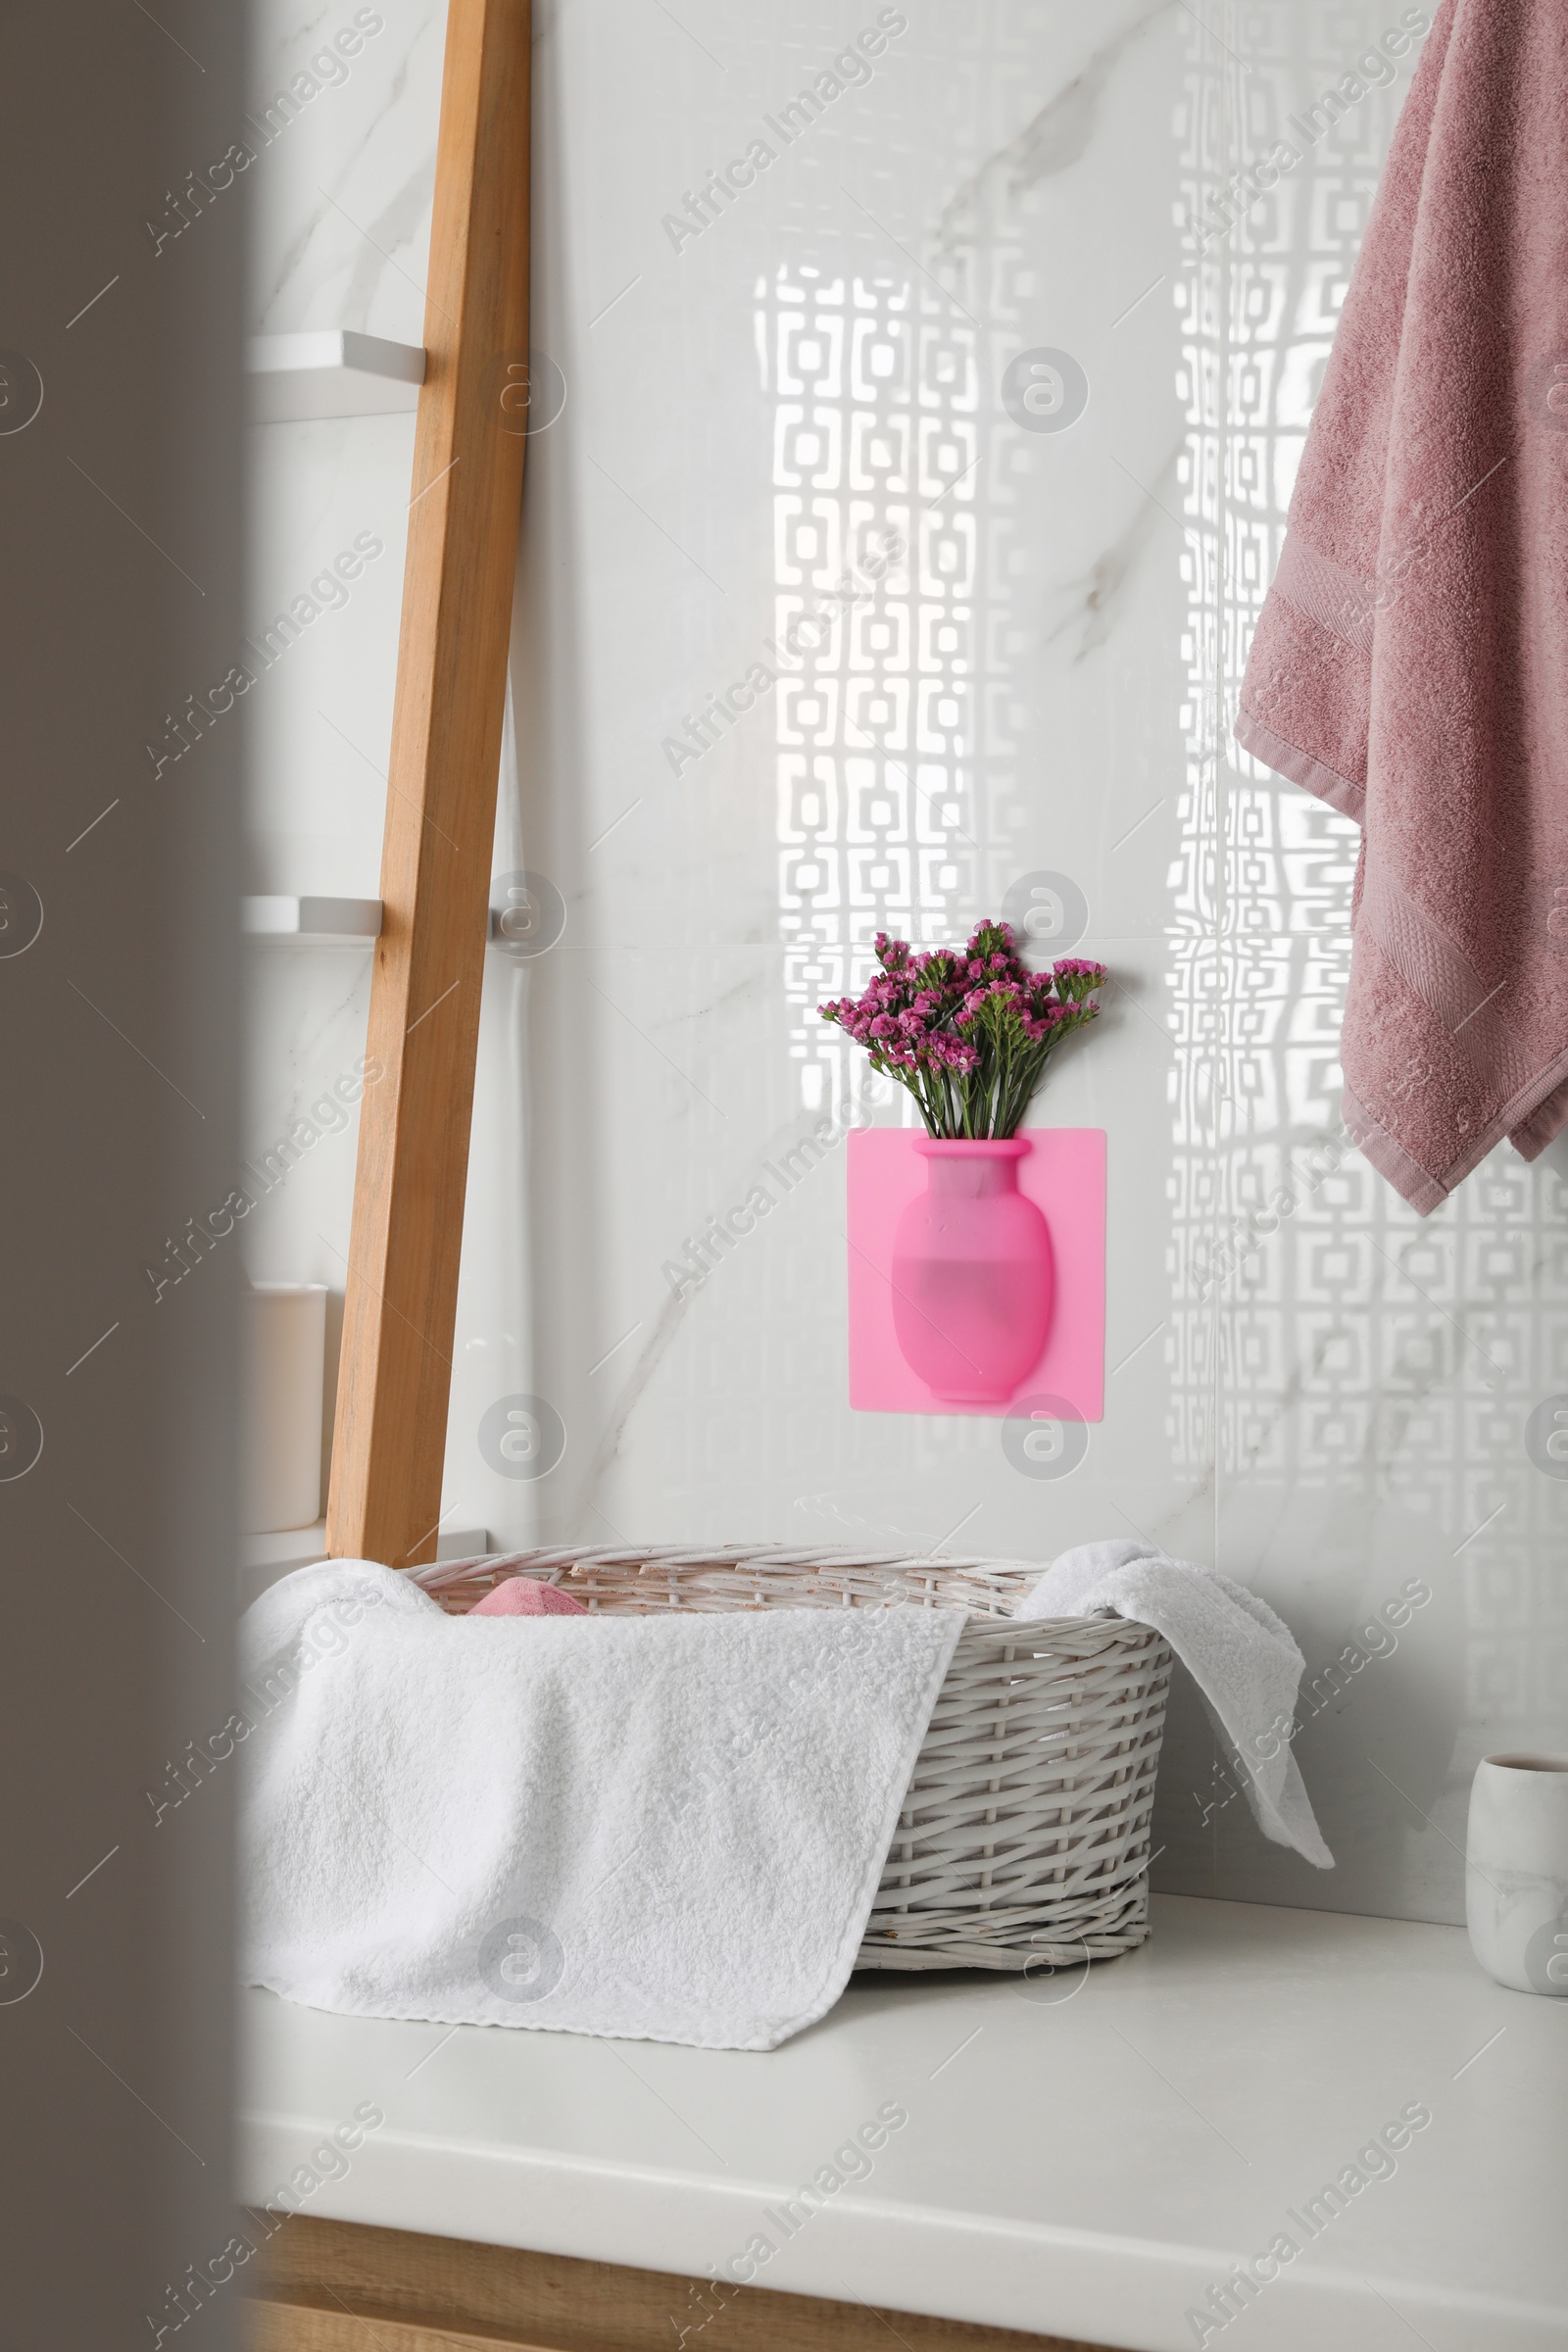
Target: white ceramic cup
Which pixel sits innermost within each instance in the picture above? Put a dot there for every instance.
(1516, 1872)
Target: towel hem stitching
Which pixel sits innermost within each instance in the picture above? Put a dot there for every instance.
(1300, 767)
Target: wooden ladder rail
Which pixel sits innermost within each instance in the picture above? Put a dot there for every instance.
(400, 1305)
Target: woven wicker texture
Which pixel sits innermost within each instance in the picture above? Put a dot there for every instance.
(1023, 1841)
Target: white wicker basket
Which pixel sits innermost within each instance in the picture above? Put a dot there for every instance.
(1024, 1835)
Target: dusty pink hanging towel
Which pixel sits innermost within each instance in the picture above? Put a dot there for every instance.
(1410, 665)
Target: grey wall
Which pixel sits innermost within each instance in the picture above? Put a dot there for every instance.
(120, 515)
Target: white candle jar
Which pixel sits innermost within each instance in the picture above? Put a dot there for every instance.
(284, 1334)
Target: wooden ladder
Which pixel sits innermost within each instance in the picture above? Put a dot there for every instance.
(464, 507)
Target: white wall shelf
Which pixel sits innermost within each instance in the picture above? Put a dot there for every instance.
(331, 373)
(315, 922)
(336, 922)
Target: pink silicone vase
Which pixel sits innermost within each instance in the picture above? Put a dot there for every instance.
(973, 1278)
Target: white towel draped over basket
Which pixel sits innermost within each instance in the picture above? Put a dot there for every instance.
(1023, 1840)
(690, 1828)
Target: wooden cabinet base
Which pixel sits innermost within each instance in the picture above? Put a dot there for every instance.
(336, 2286)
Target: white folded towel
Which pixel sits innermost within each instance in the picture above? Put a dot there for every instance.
(665, 1827)
(1243, 1660)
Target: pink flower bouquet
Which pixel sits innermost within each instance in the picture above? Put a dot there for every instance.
(967, 1031)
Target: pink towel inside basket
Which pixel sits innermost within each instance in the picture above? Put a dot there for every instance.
(527, 1596)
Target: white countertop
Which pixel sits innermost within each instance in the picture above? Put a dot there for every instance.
(1085, 2166)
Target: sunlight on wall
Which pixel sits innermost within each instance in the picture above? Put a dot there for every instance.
(876, 454)
(1326, 1336)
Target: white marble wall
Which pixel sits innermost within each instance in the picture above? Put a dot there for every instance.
(1327, 1402)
